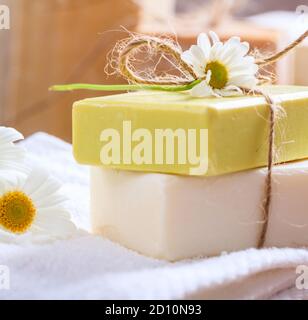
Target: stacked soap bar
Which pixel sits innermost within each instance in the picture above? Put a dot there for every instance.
(176, 217)
(166, 211)
(237, 130)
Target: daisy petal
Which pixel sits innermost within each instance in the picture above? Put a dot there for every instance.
(246, 81)
(214, 37)
(54, 226)
(35, 180)
(236, 54)
(202, 89)
(6, 236)
(230, 91)
(50, 201)
(204, 43)
(197, 65)
(46, 189)
(208, 76)
(217, 93)
(188, 57)
(234, 88)
(216, 51)
(8, 135)
(197, 53)
(61, 212)
(11, 155)
(243, 69)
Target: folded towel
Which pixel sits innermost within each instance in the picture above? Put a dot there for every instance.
(91, 267)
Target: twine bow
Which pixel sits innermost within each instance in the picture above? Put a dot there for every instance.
(127, 50)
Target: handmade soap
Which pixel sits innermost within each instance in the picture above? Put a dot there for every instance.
(175, 133)
(176, 217)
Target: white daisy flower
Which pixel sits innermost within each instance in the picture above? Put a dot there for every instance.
(225, 67)
(31, 208)
(11, 155)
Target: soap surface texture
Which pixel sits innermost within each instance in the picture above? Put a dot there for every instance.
(177, 217)
(237, 129)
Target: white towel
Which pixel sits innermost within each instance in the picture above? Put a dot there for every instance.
(91, 267)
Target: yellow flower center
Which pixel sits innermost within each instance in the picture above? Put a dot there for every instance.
(17, 211)
(219, 77)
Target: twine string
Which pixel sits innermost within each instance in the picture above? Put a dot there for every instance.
(277, 56)
(160, 46)
(270, 164)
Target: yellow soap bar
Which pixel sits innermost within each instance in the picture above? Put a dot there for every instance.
(176, 133)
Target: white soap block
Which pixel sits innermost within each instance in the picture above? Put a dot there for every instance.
(176, 217)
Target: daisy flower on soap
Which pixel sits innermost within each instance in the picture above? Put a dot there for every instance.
(224, 67)
(31, 207)
(11, 155)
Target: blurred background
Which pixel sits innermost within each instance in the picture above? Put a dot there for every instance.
(63, 41)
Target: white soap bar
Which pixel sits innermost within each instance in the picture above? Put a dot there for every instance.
(176, 217)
